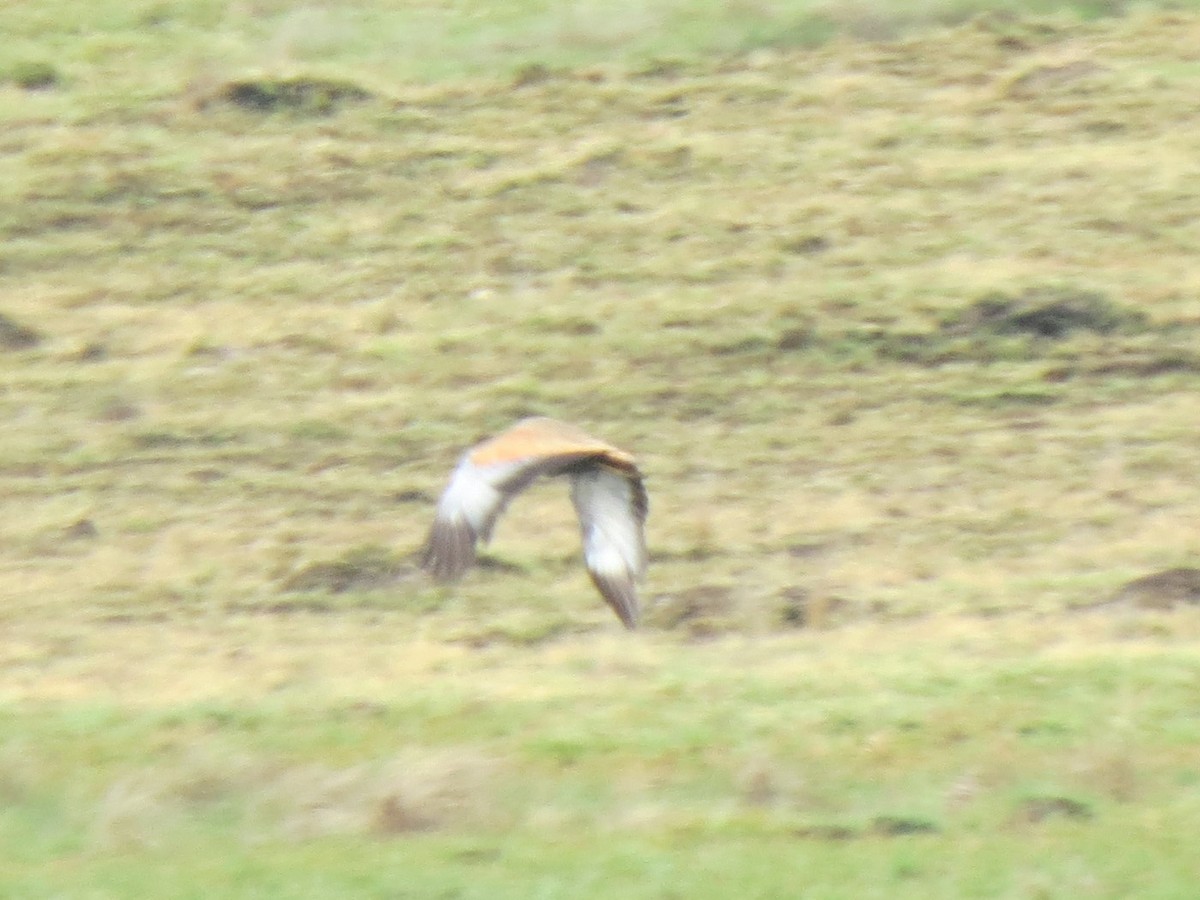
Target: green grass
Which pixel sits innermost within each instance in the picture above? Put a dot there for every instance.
(898, 311)
(139, 50)
(624, 779)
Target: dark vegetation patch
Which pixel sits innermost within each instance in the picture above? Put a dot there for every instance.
(396, 815)
(799, 607)
(1162, 590)
(414, 495)
(319, 430)
(361, 569)
(487, 562)
(531, 74)
(568, 324)
(15, 336)
(996, 327)
(91, 352)
(901, 826)
(880, 826)
(999, 327)
(1052, 313)
(116, 409)
(162, 439)
(1135, 364)
(796, 337)
(32, 75)
(301, 96)
(807, 245)
(827, 833)
(83, 529)
(1039, 809)
(204, 350)
(661, 68)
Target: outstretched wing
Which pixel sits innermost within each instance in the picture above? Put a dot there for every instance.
(466, 512)
(488, 476)
(611, 503)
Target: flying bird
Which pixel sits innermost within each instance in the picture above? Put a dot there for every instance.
(606, 489)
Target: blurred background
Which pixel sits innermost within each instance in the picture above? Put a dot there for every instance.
(896, 306)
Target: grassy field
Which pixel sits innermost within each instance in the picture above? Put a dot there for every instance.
(898, 310)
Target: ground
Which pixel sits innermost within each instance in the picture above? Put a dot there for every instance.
(899, 318)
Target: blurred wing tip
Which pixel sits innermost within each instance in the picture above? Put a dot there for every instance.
(621, 595)
(450, 549)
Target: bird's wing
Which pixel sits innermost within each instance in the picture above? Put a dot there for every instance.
(493, 472)
(611, 502)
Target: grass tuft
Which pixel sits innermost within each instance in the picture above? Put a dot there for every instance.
(301, 96)
(33, 75)
(360, 569)
(1053, 313)
(15, 336)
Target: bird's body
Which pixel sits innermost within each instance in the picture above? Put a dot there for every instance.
(606, 489)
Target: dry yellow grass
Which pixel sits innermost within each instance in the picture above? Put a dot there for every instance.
(266, 335)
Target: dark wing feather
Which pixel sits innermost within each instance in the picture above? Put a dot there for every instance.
(620, 594)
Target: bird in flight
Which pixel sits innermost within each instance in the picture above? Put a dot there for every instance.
(606, 488)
